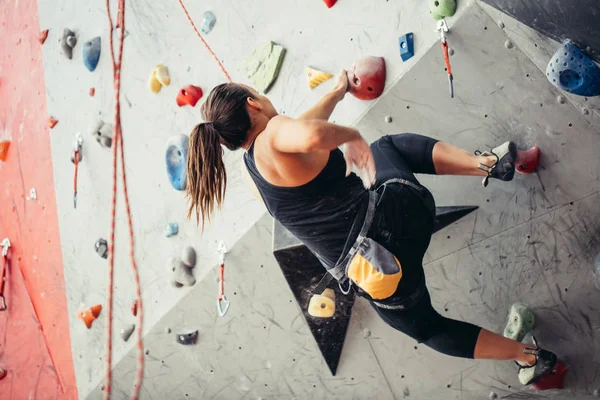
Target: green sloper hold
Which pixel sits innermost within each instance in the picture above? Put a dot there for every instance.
(263, 66)
(442, 8)
(519, 323)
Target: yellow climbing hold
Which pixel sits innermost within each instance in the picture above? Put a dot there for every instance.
(322, 305)
(153, 83)
(162, 74)
(316, 77)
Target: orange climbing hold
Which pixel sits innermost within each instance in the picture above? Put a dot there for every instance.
(92, 92)
(4, 145)
(189, 95)
(89, 316)
(329, 3)
(52, 122)
(43, 36)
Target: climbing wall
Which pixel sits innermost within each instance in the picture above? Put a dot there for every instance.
(533, 240)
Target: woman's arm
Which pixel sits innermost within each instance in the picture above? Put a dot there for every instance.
(323, 109)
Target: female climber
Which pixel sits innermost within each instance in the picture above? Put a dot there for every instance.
(371, 230)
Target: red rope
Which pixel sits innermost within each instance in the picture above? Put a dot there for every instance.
(204, 42)
(118, 146)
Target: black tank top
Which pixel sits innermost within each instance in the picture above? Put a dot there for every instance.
(320, 213)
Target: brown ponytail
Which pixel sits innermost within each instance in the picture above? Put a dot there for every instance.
(229, 124)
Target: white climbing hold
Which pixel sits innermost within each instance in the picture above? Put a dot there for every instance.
(162, 75)
(500, 24)
(32, 194)
(508, 44)
(366, 333)
(181, 274)
(388, 119)
(561, 100)
(127, 331)
(188, 256)
(493, 396)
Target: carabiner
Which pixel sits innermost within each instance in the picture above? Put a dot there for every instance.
(220, 302)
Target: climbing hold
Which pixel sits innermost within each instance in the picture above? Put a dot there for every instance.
(2, 373)
(501, 26)
(162, 75)
(127, 331)
(574, 72)
(44, 36)
(67, 41)
(553, 380)
(52, 122)
(89, 316)
(560, 99)
(189, 95)
(323, 305)
(329, 3)
(407, 48)
(176, 156)
(406, 392)
(316, 77)
(171, 229)
(187, 338)
(208, 21)
(366, 79)
(4, 145)
(508, 44)
(102, 132)
(366, 333)
(585, 111)
(101, 247)
(188, 256)
(134, 307)
(528, 160)
(167, 330)
(388, 119)
(450, 52)
(153, 83)
(263, 65)
(32, 194)
(92, 92)
(596, 393)
(493, 396)
(519, 323)
(91, 53)
(181, 275)
(442, 8)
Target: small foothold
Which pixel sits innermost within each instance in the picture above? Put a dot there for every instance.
(493, 396)
(188, 256)
(407, 47)
(4, 145)
(127, 332)
(43, 36)
(388, 119)
(67, 42)
(153, 83)
(208, 21)
(171, 229)
(187, 338)
(91, 53)
(330, 3)
(101, 247)
(450, 52)
(501, 26)
(508, 44)
(189, 95)
(2, 373)
(263, 65)
(134, 308)
(561, 100)
(366, 333)
(32, 194)
(92, 92)
(316, 77)
(162, 75)
(585, 111)
(323, 305)
(176, 156)
(167, 330)
(366, 79)
(442, 8)
(519, 323)
(52, 122)
(89, 316)
(180, 273)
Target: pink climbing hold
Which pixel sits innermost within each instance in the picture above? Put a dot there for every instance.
(52, 122)
(43, 36)
(366, 79)
(189, 95)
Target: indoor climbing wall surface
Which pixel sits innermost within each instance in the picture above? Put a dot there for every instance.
(533, 240)
(159, 33)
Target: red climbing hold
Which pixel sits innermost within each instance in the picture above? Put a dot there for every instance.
(92, 91)
(89, 316)
(52, 122)
(2, 373)
(527, 160)
(189, 95)
(366, 79)
(4, 145)
(134, 308)
(43, 36)
(329, 3)
(553, 380)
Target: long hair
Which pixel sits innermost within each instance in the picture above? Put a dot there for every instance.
(228, 123)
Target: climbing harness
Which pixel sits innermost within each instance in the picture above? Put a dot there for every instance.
(76, 159)
(5, 264)
(222, 302)
(442, 29)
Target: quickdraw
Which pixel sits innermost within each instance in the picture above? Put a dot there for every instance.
(5, 264)
(442, 29)
(76, 159)
(222, 302)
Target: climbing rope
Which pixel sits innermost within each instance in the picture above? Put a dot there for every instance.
(204, 42)
(118, 146)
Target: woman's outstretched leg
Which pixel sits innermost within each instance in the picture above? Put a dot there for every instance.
(450, 160)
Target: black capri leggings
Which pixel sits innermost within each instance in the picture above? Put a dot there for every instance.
(403, 224)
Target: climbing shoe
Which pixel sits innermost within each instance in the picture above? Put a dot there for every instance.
(544, 365)
(504, 167)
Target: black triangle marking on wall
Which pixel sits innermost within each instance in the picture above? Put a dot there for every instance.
(302, 271)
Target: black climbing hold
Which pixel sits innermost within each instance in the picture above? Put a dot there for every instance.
(101, 247)
(187, 338)
(445, 216)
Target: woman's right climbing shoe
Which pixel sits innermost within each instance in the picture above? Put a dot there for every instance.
(504, 167)
(544, 365)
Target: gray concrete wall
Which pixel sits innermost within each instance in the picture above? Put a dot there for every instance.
(533, 240)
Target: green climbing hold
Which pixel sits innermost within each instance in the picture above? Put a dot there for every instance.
(520, 322)
(263, 65)
(442, 8)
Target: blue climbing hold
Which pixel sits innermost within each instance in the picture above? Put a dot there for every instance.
(176, 157)
(208, 21)
(572, 71)
(407, 48)
(171, 229)
(91, 53)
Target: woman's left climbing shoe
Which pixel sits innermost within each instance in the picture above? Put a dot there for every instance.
(544, 365)
(508, 160)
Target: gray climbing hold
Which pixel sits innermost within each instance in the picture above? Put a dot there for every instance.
(102, 132)
(493, 396)
(366, 333)
(508, 44)
(188, 256)
(167, 330)
(127, 331)
(187, 338)
(560, 100)
(519, 323)
(500, 24)
(388, 119)
(105, 142)
(181, 275)
(208, 22)
(585, 111)
(101, 247)
(450, 52)
(406, 392)
(171, 229)
(91, 53)
(147, 352)
(67, 42)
